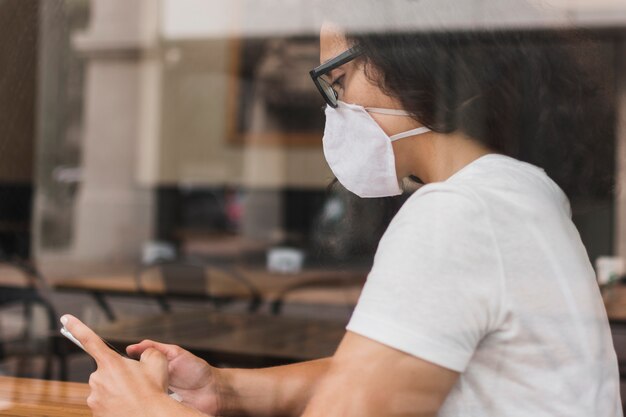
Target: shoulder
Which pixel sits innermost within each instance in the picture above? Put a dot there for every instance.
(440, 204)
(437, 224)
(444, 194)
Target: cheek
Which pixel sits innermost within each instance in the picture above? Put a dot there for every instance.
(359, 90)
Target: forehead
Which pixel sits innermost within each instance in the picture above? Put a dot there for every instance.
(332, 42)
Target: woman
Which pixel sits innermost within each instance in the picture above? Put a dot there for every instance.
(481, 300)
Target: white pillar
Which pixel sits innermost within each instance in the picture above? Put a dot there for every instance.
(620, 198)
(115, 213)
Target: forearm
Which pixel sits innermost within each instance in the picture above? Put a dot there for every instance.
(279, 391)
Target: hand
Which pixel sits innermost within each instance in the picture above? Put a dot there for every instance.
(121, 386)
(198, 383)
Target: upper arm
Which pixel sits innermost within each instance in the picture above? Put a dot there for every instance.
(435, 289)
(367, 378)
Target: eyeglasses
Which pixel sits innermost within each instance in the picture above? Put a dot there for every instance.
(322, 82)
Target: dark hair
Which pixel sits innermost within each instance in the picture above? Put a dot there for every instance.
(530, 95)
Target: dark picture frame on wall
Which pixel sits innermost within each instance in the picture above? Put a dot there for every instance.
(272, 100)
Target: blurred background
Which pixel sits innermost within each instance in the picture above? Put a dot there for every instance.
(161, 156)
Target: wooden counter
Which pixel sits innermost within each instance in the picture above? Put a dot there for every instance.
(37, 398)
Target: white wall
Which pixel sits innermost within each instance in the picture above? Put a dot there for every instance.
(189, 19)
(193, 146)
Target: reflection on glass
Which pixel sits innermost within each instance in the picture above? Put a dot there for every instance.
(153, 148)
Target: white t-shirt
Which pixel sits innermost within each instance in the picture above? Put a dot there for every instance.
(485, 274)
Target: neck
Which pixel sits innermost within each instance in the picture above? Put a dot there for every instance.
(435, 157)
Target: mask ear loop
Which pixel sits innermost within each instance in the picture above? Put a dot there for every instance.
(389, 112)
(393, 112)
(412, 132)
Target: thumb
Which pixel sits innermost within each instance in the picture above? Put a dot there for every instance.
(156, 364)
(170, 351)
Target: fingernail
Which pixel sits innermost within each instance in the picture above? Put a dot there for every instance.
(64, 320)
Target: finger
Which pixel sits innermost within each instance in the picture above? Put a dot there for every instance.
(156, 364)
(170, 351)
(92, 343)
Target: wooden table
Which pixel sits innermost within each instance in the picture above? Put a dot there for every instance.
(37, 398)
(267, 283)
(220, 246)
(615, 302)
(234, 338)
(13, 277)
(268, 286)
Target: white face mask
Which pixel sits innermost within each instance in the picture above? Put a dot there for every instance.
(359, 152)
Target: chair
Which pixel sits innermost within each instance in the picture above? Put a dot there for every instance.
(189, 280)
(22, 285)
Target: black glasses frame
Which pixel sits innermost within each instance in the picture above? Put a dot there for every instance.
(322, 85)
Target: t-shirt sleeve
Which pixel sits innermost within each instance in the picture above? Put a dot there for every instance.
(435, 287)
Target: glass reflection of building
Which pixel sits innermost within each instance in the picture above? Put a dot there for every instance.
(166, 121)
